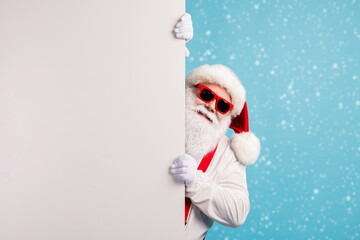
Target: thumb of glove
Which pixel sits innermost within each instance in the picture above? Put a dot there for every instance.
(187, 53)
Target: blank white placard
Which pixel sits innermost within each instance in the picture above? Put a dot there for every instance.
(91, 117)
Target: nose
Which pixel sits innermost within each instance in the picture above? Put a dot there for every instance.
(211, 106)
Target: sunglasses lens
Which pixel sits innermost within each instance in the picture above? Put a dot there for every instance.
(207, 95)
(223, 106)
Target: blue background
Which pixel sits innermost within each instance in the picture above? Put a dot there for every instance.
(299, 62)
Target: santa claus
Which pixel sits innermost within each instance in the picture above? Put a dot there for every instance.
(213, 167)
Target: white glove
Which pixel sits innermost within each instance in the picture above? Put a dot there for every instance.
(184, 30)
(184, 168)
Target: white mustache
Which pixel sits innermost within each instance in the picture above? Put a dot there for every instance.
(203, 110)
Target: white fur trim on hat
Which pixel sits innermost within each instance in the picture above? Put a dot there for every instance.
(246, 147)
(222, 76)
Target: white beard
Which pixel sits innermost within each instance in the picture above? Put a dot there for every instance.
(201, 135)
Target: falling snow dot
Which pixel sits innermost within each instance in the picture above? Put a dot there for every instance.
(232, 57)
(335, 66)
(207, 33)
(272, 72)
(341, 106)
(283, 96)
(228, 16)
(314, 67)
(256, 6)
(357, 103)
(257, 63)
(317, 93)
(316, 191)
(348, 198)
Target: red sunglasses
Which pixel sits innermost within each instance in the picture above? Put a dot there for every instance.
(207, 95)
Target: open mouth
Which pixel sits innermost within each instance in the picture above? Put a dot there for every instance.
(204, 115)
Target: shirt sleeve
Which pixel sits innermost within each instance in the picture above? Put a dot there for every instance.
(226, 200)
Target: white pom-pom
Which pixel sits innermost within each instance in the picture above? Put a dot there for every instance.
(246, 147)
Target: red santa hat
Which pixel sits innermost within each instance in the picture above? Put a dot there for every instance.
(245, 145)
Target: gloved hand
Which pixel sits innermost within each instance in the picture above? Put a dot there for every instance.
(184, 168)
(184, 30)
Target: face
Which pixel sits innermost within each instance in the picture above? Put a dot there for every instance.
(204, 126)
(210, 106)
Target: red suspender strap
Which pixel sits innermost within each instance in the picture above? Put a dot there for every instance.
(205, 162)
(187, 207)
(203, 166)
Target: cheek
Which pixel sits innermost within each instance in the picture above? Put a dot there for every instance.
(199, 102)
(221, 116)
